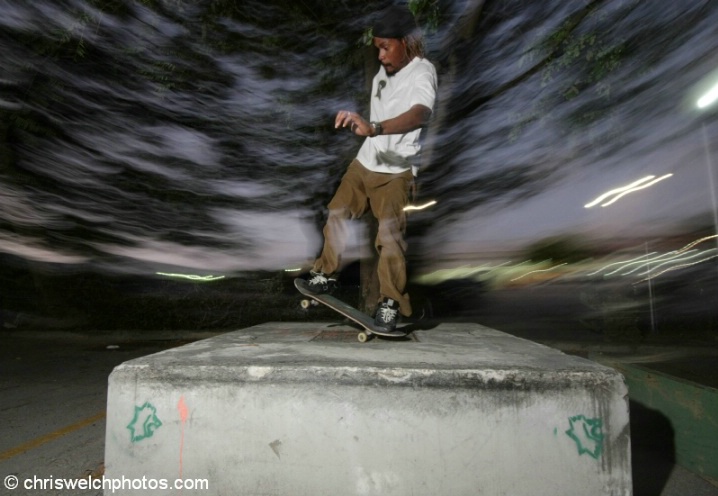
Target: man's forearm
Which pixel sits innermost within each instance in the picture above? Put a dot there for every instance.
(414, 118)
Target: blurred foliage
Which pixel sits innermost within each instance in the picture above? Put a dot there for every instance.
(559, 249)
(98, 68)
(427, 13)
(120, 63)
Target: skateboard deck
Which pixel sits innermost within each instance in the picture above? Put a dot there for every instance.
(349, 312)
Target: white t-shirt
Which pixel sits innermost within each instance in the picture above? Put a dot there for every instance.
(414, 84)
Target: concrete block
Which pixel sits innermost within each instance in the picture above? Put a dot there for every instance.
(304, 409)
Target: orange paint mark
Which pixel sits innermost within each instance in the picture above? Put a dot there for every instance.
(182, 408)
(184, 414)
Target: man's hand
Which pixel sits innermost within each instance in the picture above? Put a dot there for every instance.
(414, 118)
(355, 122)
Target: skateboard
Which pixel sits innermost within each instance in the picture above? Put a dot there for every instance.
(346, 310)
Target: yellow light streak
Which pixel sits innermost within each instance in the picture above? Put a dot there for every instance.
(537, 271)
(676, 267)
(420, 207)
(694, 243)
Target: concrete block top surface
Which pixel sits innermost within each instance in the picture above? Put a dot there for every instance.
(461, 354)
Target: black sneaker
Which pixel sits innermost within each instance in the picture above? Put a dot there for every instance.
(387, 314)
(320, 283)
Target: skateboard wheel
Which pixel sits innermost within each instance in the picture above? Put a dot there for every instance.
(305, 304)
(362, 337)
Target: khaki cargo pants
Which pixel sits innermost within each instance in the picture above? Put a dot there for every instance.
(386, 195)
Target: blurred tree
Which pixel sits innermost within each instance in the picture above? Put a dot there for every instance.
(558, 56)
(132, 122)
(558, 249)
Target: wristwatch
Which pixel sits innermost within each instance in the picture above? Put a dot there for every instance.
(377, 128)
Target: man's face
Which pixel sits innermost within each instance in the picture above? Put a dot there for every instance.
(392, 54)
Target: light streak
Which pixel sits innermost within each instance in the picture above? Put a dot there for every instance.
(660, 258)
(624, 190)
(440, 275)
(694, 243)
(420, 207)
(674, 260)
(617, 190)
(676, 267)
(708, 98)
(663, 258)
(538, 270)
(191, 277)
(624, 263)
(637, 188)
(658, 261)
(498, 266)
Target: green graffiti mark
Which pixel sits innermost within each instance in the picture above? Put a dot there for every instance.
(145, 422)
(587, 434)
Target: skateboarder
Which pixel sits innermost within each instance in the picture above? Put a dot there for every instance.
(382, 174)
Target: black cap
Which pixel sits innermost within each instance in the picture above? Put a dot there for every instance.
(394, 22)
